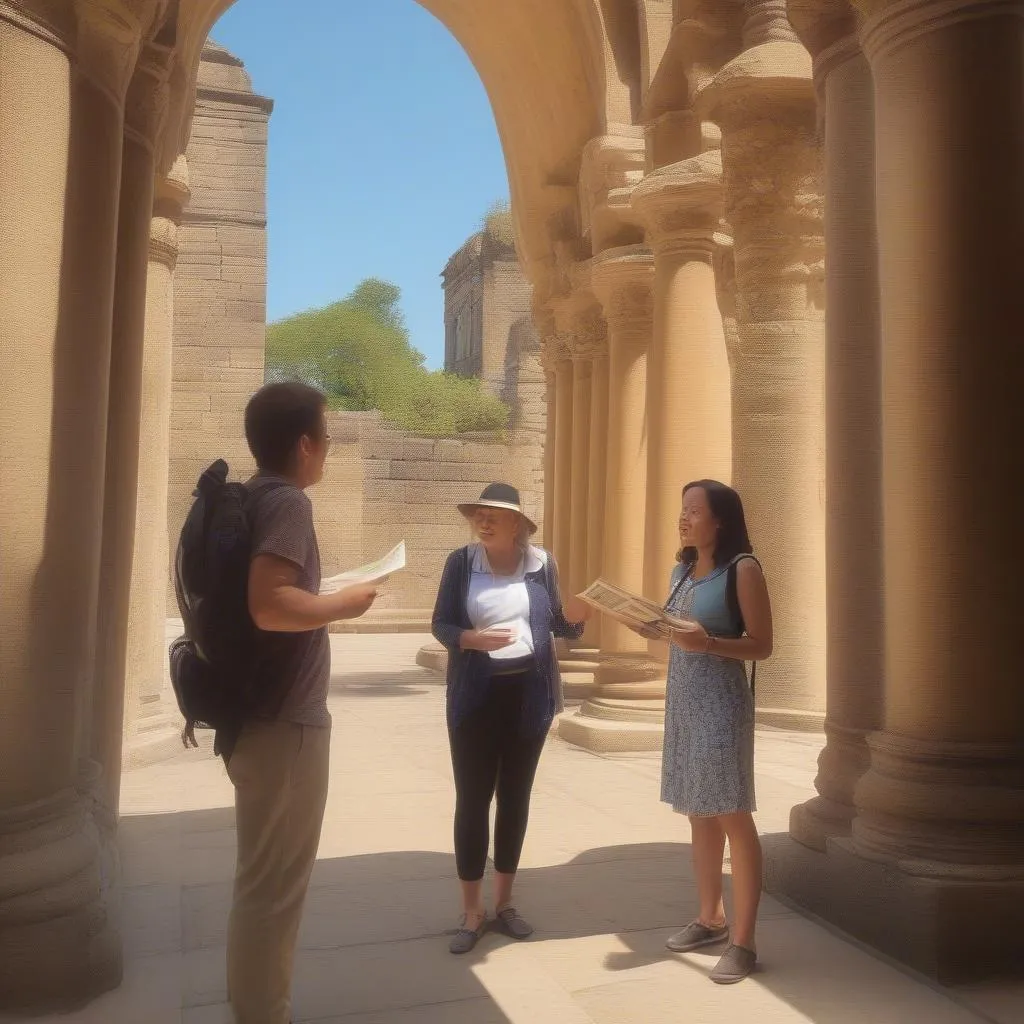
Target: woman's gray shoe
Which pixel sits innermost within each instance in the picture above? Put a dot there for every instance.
(737, 963)
(509, 921)
(466, 938)
(695, 935)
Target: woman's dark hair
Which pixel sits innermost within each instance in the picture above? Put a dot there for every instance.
(727, 508)
(277, 417)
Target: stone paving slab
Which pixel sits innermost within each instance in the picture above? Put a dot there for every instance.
(605, 877)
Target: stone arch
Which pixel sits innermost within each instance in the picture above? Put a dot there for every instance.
(549, 72)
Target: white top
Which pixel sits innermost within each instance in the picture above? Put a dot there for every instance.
(503, 601)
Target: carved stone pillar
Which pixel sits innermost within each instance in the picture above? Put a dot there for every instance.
(934, 872)
(764, 102)
(853, 527)
(689, 415)
(145, 110)
(548, 350)
(945, 791)
(624, 711)
(624, 280)
(596, 474)
(151, 729)
(562, 483)
(581, 348)
(60, 157)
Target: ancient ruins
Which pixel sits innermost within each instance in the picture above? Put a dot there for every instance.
(775, 243)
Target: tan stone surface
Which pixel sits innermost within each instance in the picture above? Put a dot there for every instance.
(605, 878)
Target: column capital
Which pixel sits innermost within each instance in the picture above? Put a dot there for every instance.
(170, 194)
(681, 204)
(51, 20)
(760, 83)
(766, 21)
(587, 338)
(823, 24)
(890, 25)
(108, 42)
(147, 98)
(611, 165)
(623, 281)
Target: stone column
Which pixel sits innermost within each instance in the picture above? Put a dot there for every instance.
(152, 728)
(689, 416)
(60, 155)
(763, 101)
(581, 349)
(945, 791)
(596, 475)
(623, 280)
(853, 526)
(934, 872)
(145, 109)
(550, 439)
(562, 489)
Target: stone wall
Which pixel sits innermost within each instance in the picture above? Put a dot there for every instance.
(383, 486)
(220, 280)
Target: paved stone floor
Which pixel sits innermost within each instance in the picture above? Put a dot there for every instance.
(605, 878)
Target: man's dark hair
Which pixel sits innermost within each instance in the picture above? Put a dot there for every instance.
(277, 417)
(727, 508)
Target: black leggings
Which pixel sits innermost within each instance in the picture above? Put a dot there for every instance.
(488, 755)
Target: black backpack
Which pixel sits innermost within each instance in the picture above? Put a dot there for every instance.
(223, 667)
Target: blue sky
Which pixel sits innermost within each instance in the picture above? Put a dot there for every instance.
(383, 154)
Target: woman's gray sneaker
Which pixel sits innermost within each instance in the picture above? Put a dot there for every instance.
(509, 921)
(695, 935)
(737, 963)
(466, 938)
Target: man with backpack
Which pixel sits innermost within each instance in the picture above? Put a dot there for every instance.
(255, 665)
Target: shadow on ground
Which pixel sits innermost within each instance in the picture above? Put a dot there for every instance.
(373, 946)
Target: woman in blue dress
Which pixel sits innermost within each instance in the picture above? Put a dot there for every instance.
(708, 756)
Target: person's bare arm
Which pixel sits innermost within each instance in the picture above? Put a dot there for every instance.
(278, 605)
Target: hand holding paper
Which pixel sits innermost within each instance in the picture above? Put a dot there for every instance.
(374, 572)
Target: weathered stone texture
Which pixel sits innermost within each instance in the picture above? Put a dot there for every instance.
(220, 281)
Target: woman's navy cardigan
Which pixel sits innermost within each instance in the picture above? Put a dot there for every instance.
(469, 671)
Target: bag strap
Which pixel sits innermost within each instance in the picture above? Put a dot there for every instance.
(733, 600)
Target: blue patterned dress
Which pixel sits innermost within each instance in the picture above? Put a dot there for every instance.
(707, 765)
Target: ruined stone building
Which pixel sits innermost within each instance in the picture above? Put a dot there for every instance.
(678, 173)
(488, 318)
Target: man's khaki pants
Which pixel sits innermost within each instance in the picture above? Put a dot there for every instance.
(280, 772)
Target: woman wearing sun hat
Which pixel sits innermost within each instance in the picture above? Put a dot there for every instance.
(498, 605)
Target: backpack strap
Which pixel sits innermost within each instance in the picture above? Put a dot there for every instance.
(734, 607)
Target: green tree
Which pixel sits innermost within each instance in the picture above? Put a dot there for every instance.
(357, 352)
(349, 349)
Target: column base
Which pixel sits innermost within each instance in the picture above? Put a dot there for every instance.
(841, 764)
(815, 822)
(953, 931)
(155, 739)
(790, 719)
(60, 942)
(604, 725)
(433, 656)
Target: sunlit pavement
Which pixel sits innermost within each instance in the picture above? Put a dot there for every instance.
(605, 878)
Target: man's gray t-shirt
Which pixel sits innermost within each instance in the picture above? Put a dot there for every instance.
(282, 525)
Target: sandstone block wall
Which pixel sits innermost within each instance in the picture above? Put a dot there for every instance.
(220, 280)
(383, 486)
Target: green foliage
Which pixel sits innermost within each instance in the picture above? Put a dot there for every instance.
(440, 404)
(357, 352)
(498, 223)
